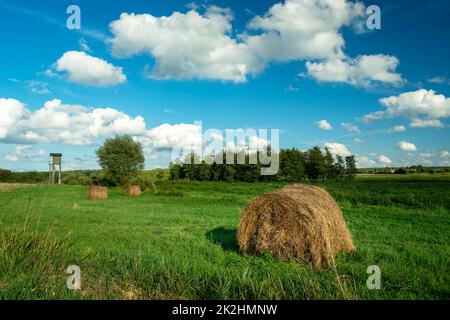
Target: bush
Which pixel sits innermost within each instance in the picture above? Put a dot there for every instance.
(4, 175)
(102, 179)
(145, 182)
(76, 178)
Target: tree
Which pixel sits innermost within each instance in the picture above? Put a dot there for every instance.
(350, 167)
(339, 167)
(315, 163)
(329, 164)
(176, 171)
(121, 157)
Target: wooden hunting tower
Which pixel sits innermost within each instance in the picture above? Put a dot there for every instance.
(54, 166)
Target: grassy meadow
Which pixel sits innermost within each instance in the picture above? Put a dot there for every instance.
(180, 243)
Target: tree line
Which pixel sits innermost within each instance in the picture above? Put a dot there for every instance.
(294, 165)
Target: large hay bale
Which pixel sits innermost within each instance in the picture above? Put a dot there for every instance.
(300, 222)
(133, 191)
(97, 193)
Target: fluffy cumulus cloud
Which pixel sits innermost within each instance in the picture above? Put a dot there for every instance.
(407, 146)
(364, 162)
(350, 127)
(303, 29)
(85, 69)
(185, 45)
(338, 149)
(58, 122)
(11, 111)
(167, 136)
(425, 123)
(384, 160)
(202, 45)
(397, 129)
(424, 107)
(363, 71)
(324, 125)
(445, 154)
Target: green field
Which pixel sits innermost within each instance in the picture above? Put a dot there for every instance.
(180, 243)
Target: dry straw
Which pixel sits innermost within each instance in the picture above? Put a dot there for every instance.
(133, 191)
(300, 222)
(97, 193)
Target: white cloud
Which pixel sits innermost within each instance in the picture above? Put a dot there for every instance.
(84, 45)
(303, 29)
(58, 122)
(364, 162)
(185, 45)
(413, 105)
(407, 146)
(193, 45)
(384, 160)
(350, 127)
(358, 140)
(425, 123)
(167, 136)
(338, 149)
(49, 73)
(21, 150)
(427, 154)
(12, 158)
(396, 129)
(38, 87)
(363, 71)
(437, 79)
(445, 154)
(11, 111)
(291, 88)
(78, 125)
(324, 125)
(88, 70)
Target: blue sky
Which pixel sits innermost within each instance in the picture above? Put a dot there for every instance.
(230, 64)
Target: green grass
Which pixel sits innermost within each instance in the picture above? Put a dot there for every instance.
(180, 243)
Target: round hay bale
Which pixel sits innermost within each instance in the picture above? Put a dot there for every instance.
(133, 191)
(299, 222)
(97, 193)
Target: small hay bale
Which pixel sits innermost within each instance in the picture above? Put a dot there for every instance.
(133, 191)
(299, 222)
(97, 193)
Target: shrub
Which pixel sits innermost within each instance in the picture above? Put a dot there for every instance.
(76, 178)
(145, 182)
(4, 175)
(102, 179)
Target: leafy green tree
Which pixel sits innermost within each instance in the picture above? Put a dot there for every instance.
(175, 170)
(203, 172)
(121, 157)
(292, 165)
(350, 167)
(315, 163)
(4, 175)
(339, 167)
(329, 165)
